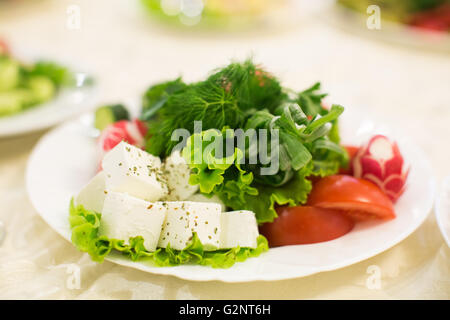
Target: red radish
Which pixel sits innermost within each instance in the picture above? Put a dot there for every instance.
(380, 162)
(3, 47)
(132, 132)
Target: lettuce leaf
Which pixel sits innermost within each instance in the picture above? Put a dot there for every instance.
(263, 204)
(211, 173)
(85, 237)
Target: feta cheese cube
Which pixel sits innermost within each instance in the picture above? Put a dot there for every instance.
(92, 196)
(199, 197)
(177, 173)
(239, 228)
(131, 170)
(183, 218)
(124, 216)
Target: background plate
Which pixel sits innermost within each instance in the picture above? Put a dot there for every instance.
(69, 102)
(391, 32)
(66, 158)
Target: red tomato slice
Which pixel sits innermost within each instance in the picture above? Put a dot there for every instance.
(351, 150)
(360, 199)
(304, 224)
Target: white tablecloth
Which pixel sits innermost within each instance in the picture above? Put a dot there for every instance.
(408, 88)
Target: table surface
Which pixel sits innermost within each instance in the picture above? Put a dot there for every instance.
(408, 88)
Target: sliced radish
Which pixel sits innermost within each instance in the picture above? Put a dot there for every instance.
(381, 162)
(132, 132)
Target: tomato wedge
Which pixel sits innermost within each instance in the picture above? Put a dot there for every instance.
(304, 225)
(360, 199)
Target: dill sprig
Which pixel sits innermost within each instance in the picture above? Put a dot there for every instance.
(225, 98)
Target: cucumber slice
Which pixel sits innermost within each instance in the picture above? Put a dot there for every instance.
(109, 114)
(9, 74)
(14, 101)
(9, 104)
(42, 88)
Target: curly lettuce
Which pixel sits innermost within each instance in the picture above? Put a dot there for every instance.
(85, 236)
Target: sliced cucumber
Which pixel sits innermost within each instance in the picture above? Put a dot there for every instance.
(9, 104)
(9, 74)
(109, 114)
(42, 88)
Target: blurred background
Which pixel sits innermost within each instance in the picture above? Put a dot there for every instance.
(388, 59)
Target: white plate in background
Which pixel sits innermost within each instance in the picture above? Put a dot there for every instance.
(390, 31)
(68, 103)
(66, 158)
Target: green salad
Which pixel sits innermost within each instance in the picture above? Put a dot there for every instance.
(243, 95)
(216, 14)
(25, 86)
(190, 199)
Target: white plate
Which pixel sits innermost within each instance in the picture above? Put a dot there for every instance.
(66, 158)
(442, 209)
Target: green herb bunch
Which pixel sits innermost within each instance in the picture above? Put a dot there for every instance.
(245, 96)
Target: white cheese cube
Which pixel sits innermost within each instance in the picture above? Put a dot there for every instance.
(199, 197)
(177, 173)
(184, 218)
(239, 228)
(131, 170)
(92, 196)
(124, 216)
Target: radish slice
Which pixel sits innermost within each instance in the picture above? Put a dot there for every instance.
(381, 162)
(132, 132)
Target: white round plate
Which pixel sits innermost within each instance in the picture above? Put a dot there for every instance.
(66, 158)
(442, 209)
